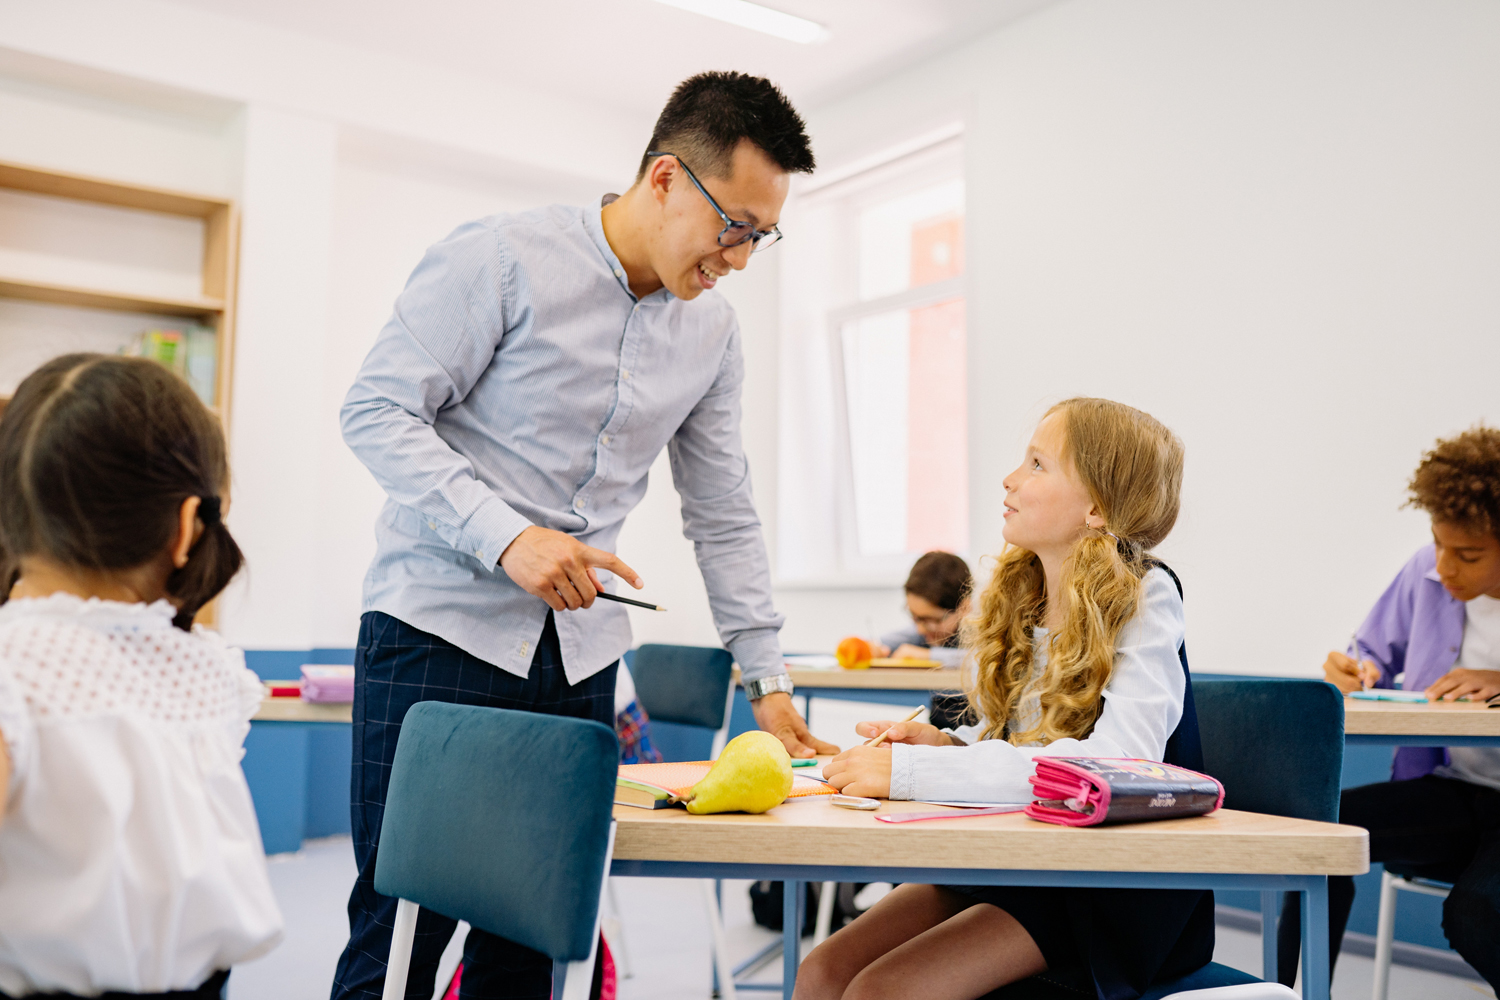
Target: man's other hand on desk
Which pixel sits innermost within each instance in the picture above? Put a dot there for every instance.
(776, 715)
(559, 568)
(867, 770)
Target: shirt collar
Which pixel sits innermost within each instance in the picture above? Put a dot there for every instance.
(593, 221)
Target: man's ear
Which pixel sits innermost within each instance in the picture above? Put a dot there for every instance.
(660, 175)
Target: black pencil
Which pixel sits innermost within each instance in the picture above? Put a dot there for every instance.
(625, 600)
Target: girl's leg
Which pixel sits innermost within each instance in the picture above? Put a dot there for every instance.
(904, 913)
(971, 953)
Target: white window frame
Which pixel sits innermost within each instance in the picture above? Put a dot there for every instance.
(931, 158)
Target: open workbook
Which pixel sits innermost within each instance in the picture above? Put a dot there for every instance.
(657, 786)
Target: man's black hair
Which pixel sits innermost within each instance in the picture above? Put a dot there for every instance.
(709, 114)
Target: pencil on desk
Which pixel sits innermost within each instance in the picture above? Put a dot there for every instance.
(882, 737)
(625, 600)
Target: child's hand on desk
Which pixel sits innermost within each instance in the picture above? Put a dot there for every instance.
(862, 771)
(867, 770)
(1479, 685)
(906, 651)
(1343, 673)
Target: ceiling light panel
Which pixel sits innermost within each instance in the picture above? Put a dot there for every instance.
(755, 17)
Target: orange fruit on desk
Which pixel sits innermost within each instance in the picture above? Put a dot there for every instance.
(854, 653)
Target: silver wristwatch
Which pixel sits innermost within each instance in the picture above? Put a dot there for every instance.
(762, 686)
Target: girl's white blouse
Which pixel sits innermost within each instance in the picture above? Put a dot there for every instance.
(1142, 706)
(130, 857)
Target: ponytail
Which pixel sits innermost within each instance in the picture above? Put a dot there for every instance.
(212, 562)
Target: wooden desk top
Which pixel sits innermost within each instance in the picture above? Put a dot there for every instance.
(874, 678)
(814, 832)
(297, 710)
(1453, 718)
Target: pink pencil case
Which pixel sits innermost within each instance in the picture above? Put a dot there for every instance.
(1091, 791)
(327, 683)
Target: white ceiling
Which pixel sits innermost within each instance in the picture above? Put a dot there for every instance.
(628, 54)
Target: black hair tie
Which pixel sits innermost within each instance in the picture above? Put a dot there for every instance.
(209, 511)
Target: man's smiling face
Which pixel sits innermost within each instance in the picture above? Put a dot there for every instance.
(685, 251)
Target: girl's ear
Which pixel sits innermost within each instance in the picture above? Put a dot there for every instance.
(189, 530)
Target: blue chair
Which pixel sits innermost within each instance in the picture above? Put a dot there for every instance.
(1278, 747)
(686, 686)
(502, 819)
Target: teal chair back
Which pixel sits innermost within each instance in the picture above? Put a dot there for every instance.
(1276, 745)
(682, 684)
(502, 819)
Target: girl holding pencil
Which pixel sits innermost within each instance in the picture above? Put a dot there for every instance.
(1076, 641)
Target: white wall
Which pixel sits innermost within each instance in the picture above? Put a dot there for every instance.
(1272, 223)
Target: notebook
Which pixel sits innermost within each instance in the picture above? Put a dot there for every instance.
(657, 786)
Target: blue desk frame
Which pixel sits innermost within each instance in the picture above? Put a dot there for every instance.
(1313, 889)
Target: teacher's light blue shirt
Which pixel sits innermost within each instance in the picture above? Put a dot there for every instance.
(519, 382)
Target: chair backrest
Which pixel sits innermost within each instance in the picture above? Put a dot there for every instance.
(501, 818)
(1277, 745)
(682, 684)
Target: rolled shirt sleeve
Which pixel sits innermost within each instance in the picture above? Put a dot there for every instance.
(1142, 706)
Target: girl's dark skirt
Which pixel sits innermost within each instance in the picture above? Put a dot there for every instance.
(1111, 944)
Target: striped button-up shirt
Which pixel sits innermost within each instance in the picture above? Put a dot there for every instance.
(519, 382)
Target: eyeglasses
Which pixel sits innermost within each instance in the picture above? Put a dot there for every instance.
(734, 233)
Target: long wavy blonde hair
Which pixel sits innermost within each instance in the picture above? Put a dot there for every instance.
(1131, 466)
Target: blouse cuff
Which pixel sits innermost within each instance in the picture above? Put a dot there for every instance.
(903, 772)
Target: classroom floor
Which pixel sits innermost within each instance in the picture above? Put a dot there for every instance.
(667, 937)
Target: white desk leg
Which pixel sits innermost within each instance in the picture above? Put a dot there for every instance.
(1315, 974)
(1268, 907)
(791, 935)
(824, 924)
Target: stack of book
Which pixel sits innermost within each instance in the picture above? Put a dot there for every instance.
(190, 350)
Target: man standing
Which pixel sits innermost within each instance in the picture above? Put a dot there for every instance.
(534, 367)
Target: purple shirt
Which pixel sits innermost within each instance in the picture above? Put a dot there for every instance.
(1416, 627)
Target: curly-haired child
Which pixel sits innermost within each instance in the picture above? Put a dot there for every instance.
(1438, 624)
(1077, 641)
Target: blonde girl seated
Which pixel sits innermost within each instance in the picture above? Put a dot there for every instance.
(130, 858)
(1076, 642)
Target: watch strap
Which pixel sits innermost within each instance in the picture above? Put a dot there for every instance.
(762, 686)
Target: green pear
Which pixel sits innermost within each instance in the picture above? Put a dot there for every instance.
(753, 774)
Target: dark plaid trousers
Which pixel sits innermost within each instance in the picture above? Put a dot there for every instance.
(396, 666)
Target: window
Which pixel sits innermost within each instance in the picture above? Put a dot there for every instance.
(874, 414)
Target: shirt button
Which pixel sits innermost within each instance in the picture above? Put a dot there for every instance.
(479, 553)
(625, 374)
(619, 273)
(432, 525)
(578, 503)
(524, 647)
(604, 439)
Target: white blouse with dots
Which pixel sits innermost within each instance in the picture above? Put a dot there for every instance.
(130, 858)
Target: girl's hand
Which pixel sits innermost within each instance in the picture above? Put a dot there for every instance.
(1479, 685)
(906, 651)
(912, 733)
(1343, 673)
(861, 771)
(879, 651)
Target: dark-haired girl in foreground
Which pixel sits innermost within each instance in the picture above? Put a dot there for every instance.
(1437, 628)
(130, 858)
